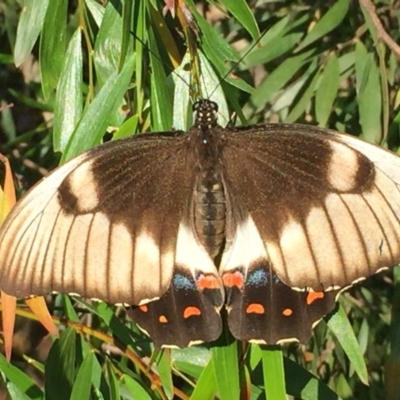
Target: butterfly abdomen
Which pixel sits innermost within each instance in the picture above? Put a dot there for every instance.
(209, 215)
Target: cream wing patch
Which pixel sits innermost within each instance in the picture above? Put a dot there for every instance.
(246, 247)
(82, 184)
(153, 269)
(348, 237)
(343, 157)
(191, 254)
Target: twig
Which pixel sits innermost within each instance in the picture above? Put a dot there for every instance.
(380, 30)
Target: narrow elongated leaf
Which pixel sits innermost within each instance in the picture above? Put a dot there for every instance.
(327, 91)
(369, 95)
(23, 382)
(339, 324)
(330, 20)
(69, 101)
(60, 366)
(96, 10)
(52, 45)
(113, 385)
(274, 377)
(136, 389)
(270, 87)
(241, 11)
(99, 113)
(206, 387)
(305, 385)
(161, 90)
(39, 307)
(165, 372)
(83, 382)
(304, 99)
(107, 48)
(29, 26)
(226, 368)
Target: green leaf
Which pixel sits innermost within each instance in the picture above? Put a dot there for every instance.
(107, 314)
(270, 52)
(301, 383)
(52, 45)
(136, 389)
(274, 377)
(107, 48)
(226, 369)
(60, 367)
(69, 102)
(241, 11)
(392, 360)
(182, 97)
(281, 38)
(339, 324)
(113, 384)
(98, 114)
(19, 381)
(83, 382)
(128, 128)
(305, 99)
(164, 369)
(96, 10)
(216, 50)
(270, 87)
(69, 308)
(369, 95)
(210, 88)
(161, 90)
(327, 91)
(329, 21)
(206, 387)
(29, 26)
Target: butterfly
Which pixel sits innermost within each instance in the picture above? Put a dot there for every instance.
(270, 221)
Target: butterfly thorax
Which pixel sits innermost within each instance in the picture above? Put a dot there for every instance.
(209, 205)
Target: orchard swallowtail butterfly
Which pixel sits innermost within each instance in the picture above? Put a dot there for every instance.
(269, 221)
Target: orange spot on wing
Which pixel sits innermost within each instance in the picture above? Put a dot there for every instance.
(235, 279)
(144, 308)
(255, 308)
(312, 296)
(208, 282)
(191, 311)
(287, 312)
(162, 319)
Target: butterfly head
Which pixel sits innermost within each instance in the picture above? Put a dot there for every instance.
(205, 114)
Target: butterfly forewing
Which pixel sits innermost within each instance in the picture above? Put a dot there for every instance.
(102, 224)
(326, 213)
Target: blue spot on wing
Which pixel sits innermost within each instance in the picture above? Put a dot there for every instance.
(180, 281)
(260, 277)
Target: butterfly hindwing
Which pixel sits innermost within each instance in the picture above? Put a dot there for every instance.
(262, 309)
(188, 312)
